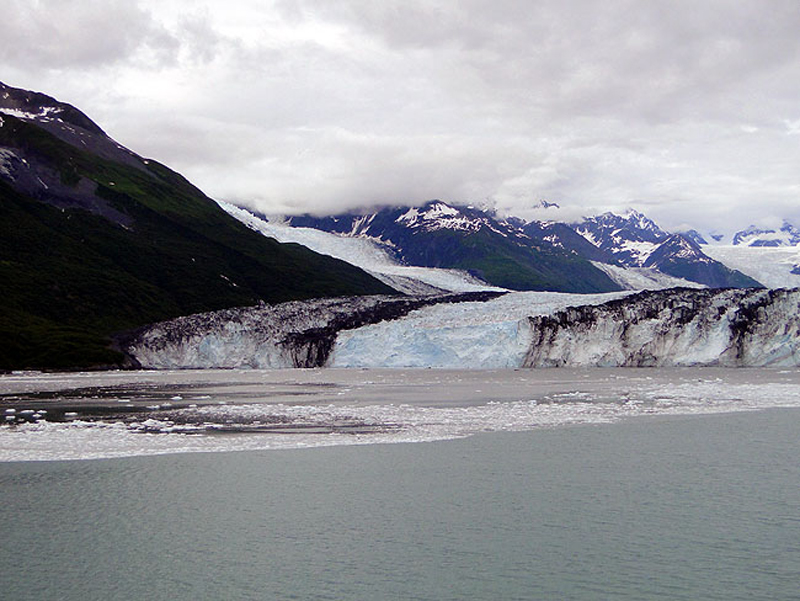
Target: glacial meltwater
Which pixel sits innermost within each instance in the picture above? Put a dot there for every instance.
(533, 484)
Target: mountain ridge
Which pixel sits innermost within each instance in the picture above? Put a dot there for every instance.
(95, 240)
(628, 241)
(441, 235)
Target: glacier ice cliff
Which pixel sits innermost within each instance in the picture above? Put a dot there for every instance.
(290, 334)
(478, 330)
(680, 327)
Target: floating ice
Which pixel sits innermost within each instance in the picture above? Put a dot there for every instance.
(417, 406)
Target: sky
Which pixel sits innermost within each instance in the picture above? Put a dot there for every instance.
(686, 111)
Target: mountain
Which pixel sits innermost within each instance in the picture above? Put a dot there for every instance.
(633, 240)
(696, 237)
(95, 239)
(631, 249)
(628, 238)
(372, 256)
(467, 238)
(683, 258)
(563, 236)
(787, 235)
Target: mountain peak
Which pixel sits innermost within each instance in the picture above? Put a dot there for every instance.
(41, 108)
(439, 215)
(642, 222)
(544, 204)
(630, 237)
(788, 235)
(694, 236)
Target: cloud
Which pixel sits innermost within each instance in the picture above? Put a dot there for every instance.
(298, 105)
(60, 34)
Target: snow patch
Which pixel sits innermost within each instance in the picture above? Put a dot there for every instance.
(639, 251)
(44, 114)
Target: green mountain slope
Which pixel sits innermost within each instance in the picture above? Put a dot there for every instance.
(95, 240)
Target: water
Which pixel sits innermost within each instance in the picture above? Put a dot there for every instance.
(680, 507)
(118, 414)
(532, 484)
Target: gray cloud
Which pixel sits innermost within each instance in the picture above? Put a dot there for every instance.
(63, 34)
(675, 108)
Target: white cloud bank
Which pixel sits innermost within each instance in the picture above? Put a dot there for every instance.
(687, 111)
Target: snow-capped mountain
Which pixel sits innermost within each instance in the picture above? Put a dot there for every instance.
(381, 260)
(373, 256)
(696, 237)
(536, 255)
(563, 236)
(787, 235)
(633, 240)
(629, 238)
(441, 235)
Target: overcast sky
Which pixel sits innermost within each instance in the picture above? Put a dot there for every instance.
(686, 110)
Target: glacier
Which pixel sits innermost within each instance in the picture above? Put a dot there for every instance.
(773, 266)
(494, 334)
(728, 328)
(371, 255)
(481, 330)
(290, 334)
(643, 278)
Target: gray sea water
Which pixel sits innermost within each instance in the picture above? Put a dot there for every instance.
(665, 508)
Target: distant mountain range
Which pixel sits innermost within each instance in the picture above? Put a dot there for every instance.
(754, 236)
(95, 239)
(536, 255)
(445, 236)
